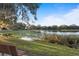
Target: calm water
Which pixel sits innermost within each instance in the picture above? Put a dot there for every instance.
(60, 33)
(41, 34)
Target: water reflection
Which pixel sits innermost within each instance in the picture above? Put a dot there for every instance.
(60, 33)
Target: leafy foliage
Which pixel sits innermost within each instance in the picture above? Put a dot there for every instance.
(10, 12)
(68, 40)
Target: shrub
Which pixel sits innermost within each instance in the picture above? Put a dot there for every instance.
(52, 38)
(70, 41)
(6, 34)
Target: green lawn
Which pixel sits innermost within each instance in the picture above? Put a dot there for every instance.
(44, 49)
(40, 48)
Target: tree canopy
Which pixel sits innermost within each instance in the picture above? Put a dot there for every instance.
(14, 10)
(9, 12)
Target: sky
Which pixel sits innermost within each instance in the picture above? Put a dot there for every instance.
(58, 14)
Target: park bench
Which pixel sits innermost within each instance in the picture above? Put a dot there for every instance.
(11, 50)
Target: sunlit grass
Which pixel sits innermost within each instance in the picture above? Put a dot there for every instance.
(39, 47)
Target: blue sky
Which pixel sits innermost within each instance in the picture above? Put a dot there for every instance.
(58, 14)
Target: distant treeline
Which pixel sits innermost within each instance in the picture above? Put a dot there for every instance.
(65, 28)
(57, 28)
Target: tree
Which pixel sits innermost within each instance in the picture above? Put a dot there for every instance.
(73, 26)
(63, 27)
(9, 12)
(55, 27)
(18, 26)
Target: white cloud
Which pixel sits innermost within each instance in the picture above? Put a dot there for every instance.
(51, 20)
(69, 18)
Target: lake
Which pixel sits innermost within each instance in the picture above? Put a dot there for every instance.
(60, 33)
(42, 33)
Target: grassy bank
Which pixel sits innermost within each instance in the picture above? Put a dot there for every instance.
(42, 48)
(39, 47)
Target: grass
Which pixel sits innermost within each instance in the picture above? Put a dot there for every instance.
(39, 47)
(44, 49)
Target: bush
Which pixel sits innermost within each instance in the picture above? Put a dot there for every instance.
(6, 34)
(52, 38)
(70, 41)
